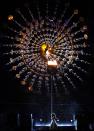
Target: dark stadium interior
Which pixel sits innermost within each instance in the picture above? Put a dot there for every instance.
(15, 99)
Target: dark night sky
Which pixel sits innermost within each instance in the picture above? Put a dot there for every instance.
(10, 90)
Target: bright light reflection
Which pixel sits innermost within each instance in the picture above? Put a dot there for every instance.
(52, 63)
(47, 53)
(59, 125)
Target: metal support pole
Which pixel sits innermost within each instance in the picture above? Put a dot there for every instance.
(51, 93)
(31, 122)
(18, 120)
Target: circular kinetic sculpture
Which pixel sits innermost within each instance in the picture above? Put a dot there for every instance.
(34, 44)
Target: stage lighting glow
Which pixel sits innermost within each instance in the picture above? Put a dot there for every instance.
(10, 17)
(49, 124)
(76, 12)
(30, 88)
(86, 36)
(17, 76)
(41, 119)
(14, 68)
(23, 83)
(47, 53)
(44, 46)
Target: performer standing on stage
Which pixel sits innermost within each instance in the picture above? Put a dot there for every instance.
(53, 122)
